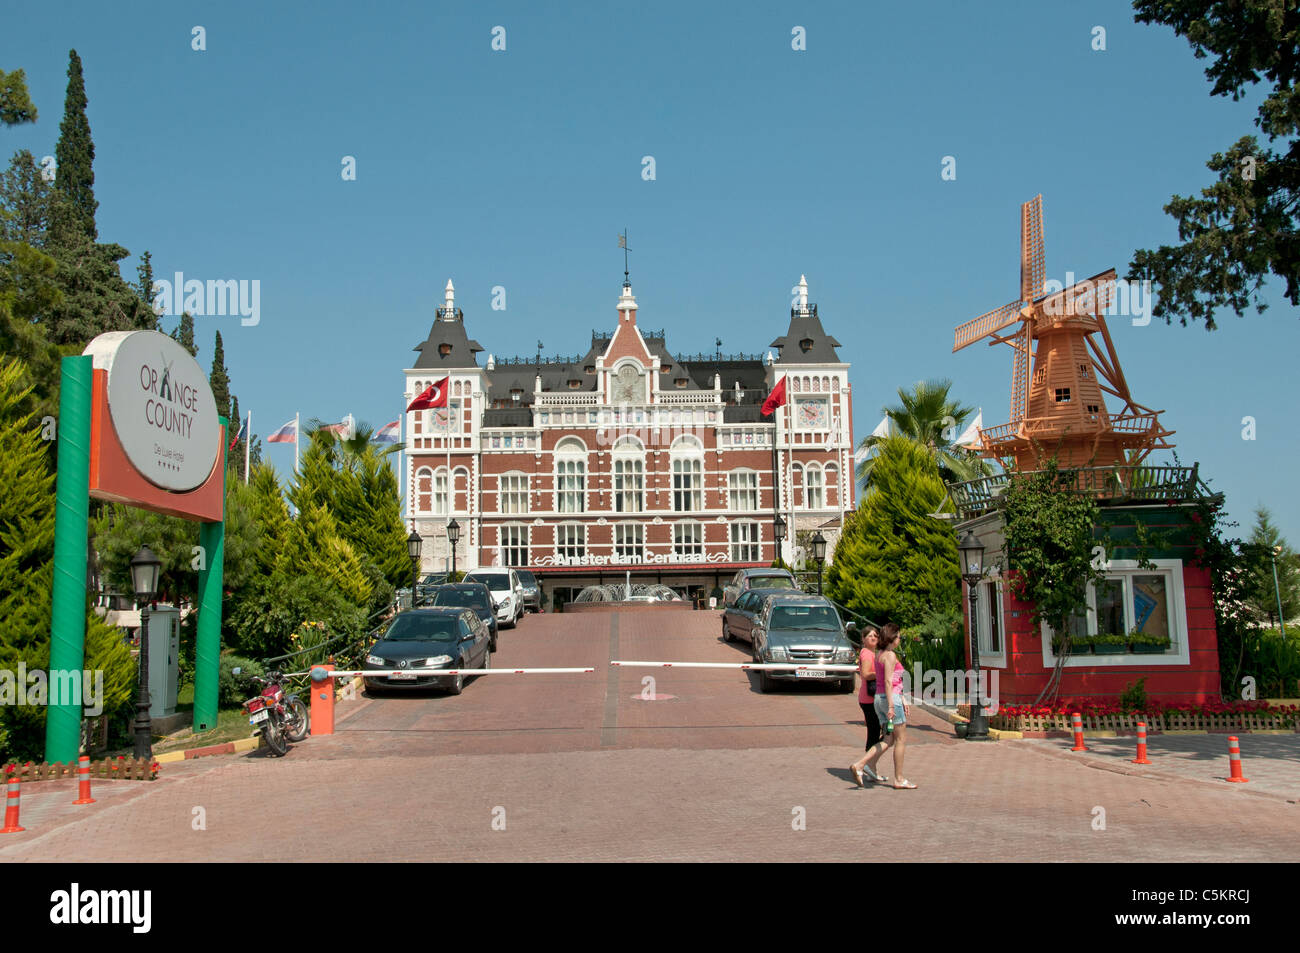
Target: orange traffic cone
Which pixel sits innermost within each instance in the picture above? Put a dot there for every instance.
(1142, 745)
(83, 781)
(1076, 722)
(1234, 761)
(11, 806)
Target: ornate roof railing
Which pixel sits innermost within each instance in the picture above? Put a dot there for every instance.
(1120, 484)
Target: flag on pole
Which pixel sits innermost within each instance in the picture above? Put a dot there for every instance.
(243, 430)
(970, 437)
(882, 428)
(775, 399)
(435, 395)
(860, 454)
(345, 429)
(286, 434)
(388, 433)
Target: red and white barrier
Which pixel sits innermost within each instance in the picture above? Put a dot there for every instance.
(743, 666)
(426, 672)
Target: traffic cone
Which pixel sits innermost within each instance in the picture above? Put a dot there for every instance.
(1076, 722)
(1234, 761)
(11, 806)
(83, 781)
(1142, 745)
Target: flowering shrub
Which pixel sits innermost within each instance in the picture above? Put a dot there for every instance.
(1155, 711)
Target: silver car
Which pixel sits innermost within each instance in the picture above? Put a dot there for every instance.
(799, 627)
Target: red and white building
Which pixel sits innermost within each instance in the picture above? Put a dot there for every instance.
(628, 459)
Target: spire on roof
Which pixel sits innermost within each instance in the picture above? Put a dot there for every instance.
(449, 306)
(803, 294)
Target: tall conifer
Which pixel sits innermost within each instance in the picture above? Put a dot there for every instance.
(75, 151)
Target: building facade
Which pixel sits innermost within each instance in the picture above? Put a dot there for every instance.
(628, 460)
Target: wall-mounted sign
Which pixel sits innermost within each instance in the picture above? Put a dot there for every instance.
(161, 407)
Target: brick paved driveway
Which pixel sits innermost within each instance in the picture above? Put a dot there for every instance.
(580, 768)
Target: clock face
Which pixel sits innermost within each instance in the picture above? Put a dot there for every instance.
(627, 386)
(812, 414)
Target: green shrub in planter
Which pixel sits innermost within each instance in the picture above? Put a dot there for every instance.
(1109, 644)
(1147, 643)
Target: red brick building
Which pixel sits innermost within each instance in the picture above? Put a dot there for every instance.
(628, 459)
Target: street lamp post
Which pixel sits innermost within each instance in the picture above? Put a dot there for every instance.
(778, 533)
(1277, 590)
(819, 557)
(453, 537)
(413, 543)
(145, 569)
(972, 571)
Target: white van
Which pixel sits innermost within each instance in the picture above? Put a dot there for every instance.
(507, 592)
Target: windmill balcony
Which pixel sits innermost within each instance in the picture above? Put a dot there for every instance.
(1120, 484)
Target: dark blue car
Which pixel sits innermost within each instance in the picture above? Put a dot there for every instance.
(468, 595)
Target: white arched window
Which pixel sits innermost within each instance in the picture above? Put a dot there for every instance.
(688, 538)
(424, 490)
(571, 476)
(514, 545)
(688, 474)
(832, 485)
(814, 498)
(628, 458)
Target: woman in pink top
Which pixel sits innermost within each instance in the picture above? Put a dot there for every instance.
(890, 707)
(867, 699)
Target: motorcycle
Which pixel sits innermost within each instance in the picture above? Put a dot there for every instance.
(281, 718)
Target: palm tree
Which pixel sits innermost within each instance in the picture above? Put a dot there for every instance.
(348, 452)
(927, 416)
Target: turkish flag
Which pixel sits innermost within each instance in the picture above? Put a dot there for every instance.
(435, 395)
(775, 399)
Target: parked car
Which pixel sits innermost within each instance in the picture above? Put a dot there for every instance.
(738, 618)
(532, 591)
(468, 595)
(800, 627)
(421, 641)
(507, 592)
(746, 579)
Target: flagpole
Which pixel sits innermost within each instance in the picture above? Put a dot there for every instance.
(297, 429)
(451, 496)
(248, 442)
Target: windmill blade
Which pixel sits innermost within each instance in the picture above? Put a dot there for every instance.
(1092, 296)
(1033, 261)
(986, 324)
(1020, 373)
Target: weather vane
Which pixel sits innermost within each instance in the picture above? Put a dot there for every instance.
(622, 243)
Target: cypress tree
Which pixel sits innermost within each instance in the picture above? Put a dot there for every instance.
(235, 457)
(183, 333)
(894, 562)
(15, 104)
(75, 152)
(219, 379)
(144, 289)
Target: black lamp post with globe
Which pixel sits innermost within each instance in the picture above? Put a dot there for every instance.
(778, 533)
(413, 543)
(145, 570)
(972, 571)
(819, 557)
(453, 537)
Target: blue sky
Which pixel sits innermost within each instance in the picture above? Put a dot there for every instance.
(519, 167)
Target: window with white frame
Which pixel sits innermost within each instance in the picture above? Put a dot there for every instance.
(629, 542)
(813, 498)
(688, 484)
(990, 617)
(1131, 611)
(423, 490)
(571, 540)
(688, 539)
(440, 495)
(629, 485)
(514, 545)
(742, 487)
(744, 542)
(513, 493)
(571, 484)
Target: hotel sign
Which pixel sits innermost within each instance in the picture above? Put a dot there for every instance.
(161, 408)
(651, 559)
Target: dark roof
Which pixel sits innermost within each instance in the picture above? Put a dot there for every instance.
(806, 327)
(448, 330)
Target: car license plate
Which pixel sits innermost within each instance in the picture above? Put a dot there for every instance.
(808, 673)
(259, 716)
(402, 677)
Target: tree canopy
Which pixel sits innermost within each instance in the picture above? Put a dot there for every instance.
(1244, 226)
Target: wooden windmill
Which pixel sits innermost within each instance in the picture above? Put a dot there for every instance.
(1059, 371)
